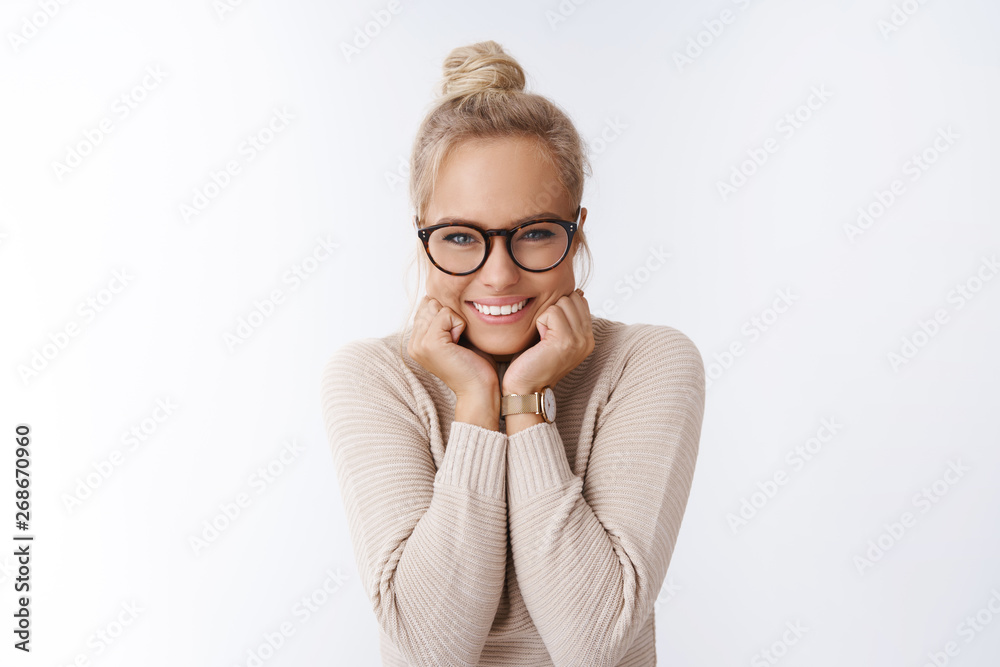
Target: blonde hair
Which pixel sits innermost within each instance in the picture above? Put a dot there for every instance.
(481, 96)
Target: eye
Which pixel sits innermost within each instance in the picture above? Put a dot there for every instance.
(460, 238)
(537, 235)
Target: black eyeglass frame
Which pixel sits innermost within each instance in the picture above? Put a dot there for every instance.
(508, 234)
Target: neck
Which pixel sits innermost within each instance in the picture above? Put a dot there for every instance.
(496, 358)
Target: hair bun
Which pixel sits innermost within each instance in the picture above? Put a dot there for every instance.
(480, 67)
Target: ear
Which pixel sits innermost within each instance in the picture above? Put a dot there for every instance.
(579, 228)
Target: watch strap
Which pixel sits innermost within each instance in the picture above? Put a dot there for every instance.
(517, 404)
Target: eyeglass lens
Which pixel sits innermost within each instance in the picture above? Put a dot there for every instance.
(536, 246)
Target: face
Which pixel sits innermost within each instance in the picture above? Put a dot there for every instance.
(497, 184)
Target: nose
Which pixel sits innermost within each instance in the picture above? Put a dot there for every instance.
(499, 271)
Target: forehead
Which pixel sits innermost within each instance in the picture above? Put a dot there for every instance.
(497, 182)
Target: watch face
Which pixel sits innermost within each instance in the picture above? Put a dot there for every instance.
(549, 404)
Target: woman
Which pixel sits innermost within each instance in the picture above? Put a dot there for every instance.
(439, 458)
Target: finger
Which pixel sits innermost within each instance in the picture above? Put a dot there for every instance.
(448, 326)
(583, 308)
(553, 318)
(422, 319)
(455, 324)
(429, 307)
(422, 309)
(573, 308)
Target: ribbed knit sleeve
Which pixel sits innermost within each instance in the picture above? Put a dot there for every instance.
(591, 558)
(430, 546)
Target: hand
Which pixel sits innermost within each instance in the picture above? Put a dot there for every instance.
(434, 345)
(567, 338)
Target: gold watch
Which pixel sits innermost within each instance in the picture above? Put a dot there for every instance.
(539, 403)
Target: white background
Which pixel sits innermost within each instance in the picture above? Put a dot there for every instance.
(332, 173)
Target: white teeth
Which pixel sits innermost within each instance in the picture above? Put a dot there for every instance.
(500, 310)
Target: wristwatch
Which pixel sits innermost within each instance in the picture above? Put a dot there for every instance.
(539, 403)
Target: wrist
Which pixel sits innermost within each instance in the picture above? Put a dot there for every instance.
(537, 407)
(520, 390)
(482, 395)
(481, 409)
(519, 422)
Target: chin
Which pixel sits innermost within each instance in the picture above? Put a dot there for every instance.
(499, 345)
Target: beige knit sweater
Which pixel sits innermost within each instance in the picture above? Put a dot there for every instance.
(547, 547)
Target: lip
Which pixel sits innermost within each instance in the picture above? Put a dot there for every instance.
(500, 319)
(500, 301)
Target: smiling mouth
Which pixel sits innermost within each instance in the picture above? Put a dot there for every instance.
(501, 310)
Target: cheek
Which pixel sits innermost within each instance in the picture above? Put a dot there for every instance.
(562, 284)
(447, 292)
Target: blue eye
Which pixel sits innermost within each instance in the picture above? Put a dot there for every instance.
(537, 235)
(460, 238)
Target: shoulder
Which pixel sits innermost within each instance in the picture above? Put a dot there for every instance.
(644, 342)
(366, 382)
(356, 354)
(653, 349)
(363, 362)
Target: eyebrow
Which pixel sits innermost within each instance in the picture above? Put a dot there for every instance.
(536, 216)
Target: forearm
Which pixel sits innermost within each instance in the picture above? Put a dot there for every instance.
(577, 578)
(430, 537)
(591, 558)
(517, 423)
(451, 568)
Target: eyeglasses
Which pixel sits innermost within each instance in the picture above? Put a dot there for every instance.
(461, 248)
